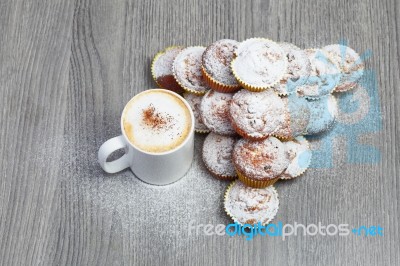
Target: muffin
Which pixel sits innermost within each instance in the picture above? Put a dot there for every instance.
(299, 155)
(161, 69)
(217, 156)
(259, 163)
(195, 101)
(187, 70)
(298, 116)
(259, 64)
(214, 111)
(350, 64)
(323, 113)
(324, 77)
(298, 69)
(216, 66)
(257, 115)
(250, 206)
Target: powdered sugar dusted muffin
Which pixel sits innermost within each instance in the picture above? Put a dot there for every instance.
(215, 112)
(195, 101)
(217, 156)
(187, 70)
(216, 66)
(323, 113)
(256, 115)
(350, 64)
(298, 113)
(247, 205)
(259, 64)
(161, 69)
(324, 75)
(299, 155)
(298, 69)
(259, 163)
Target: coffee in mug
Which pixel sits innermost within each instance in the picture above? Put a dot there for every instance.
(158, 137)
(156, 121)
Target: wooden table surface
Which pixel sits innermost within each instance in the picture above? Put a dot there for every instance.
(68, 67)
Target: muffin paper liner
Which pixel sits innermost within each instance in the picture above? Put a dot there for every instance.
(255, 183)
(218, 86)
(205, 131)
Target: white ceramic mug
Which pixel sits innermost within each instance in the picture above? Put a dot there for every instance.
(153, 168)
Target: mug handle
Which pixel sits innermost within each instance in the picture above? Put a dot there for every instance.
(109, 147)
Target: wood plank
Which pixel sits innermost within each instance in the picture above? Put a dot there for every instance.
(34, 51)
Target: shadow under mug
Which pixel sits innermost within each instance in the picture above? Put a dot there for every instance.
(153, 168)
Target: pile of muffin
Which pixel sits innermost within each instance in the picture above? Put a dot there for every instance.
(257, 99)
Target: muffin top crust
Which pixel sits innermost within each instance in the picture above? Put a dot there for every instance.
(215, 112)
(323, 113)
(217, 154)
(195, 101)
(324, 76)
(257, 114)
(349, 62)
(187, 70)
(247, 205)
(299, 65)
(298, 113)
(299, 155)
(259, 63)
(260, 160)
(217, 60)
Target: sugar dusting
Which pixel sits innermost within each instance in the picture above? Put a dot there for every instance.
(258, 113)
(261, 160)
(162, 66)
(324, 76)
(215, 112)
(298, 116)
(299, 65)
(195, 101)
(187, 69)
(299, 156)
(260, 62)
(349, 62)
(323, 113)
(217, 154)
(345, 57)
(217, 61)
(249, 205)
(129, 205)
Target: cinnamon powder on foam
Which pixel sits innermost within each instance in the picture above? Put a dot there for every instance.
(156, 120)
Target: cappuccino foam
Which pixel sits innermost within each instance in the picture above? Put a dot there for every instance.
(156, 121)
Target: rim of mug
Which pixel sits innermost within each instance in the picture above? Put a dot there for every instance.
(174, 149)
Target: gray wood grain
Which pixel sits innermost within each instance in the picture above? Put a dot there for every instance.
(67, 69)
